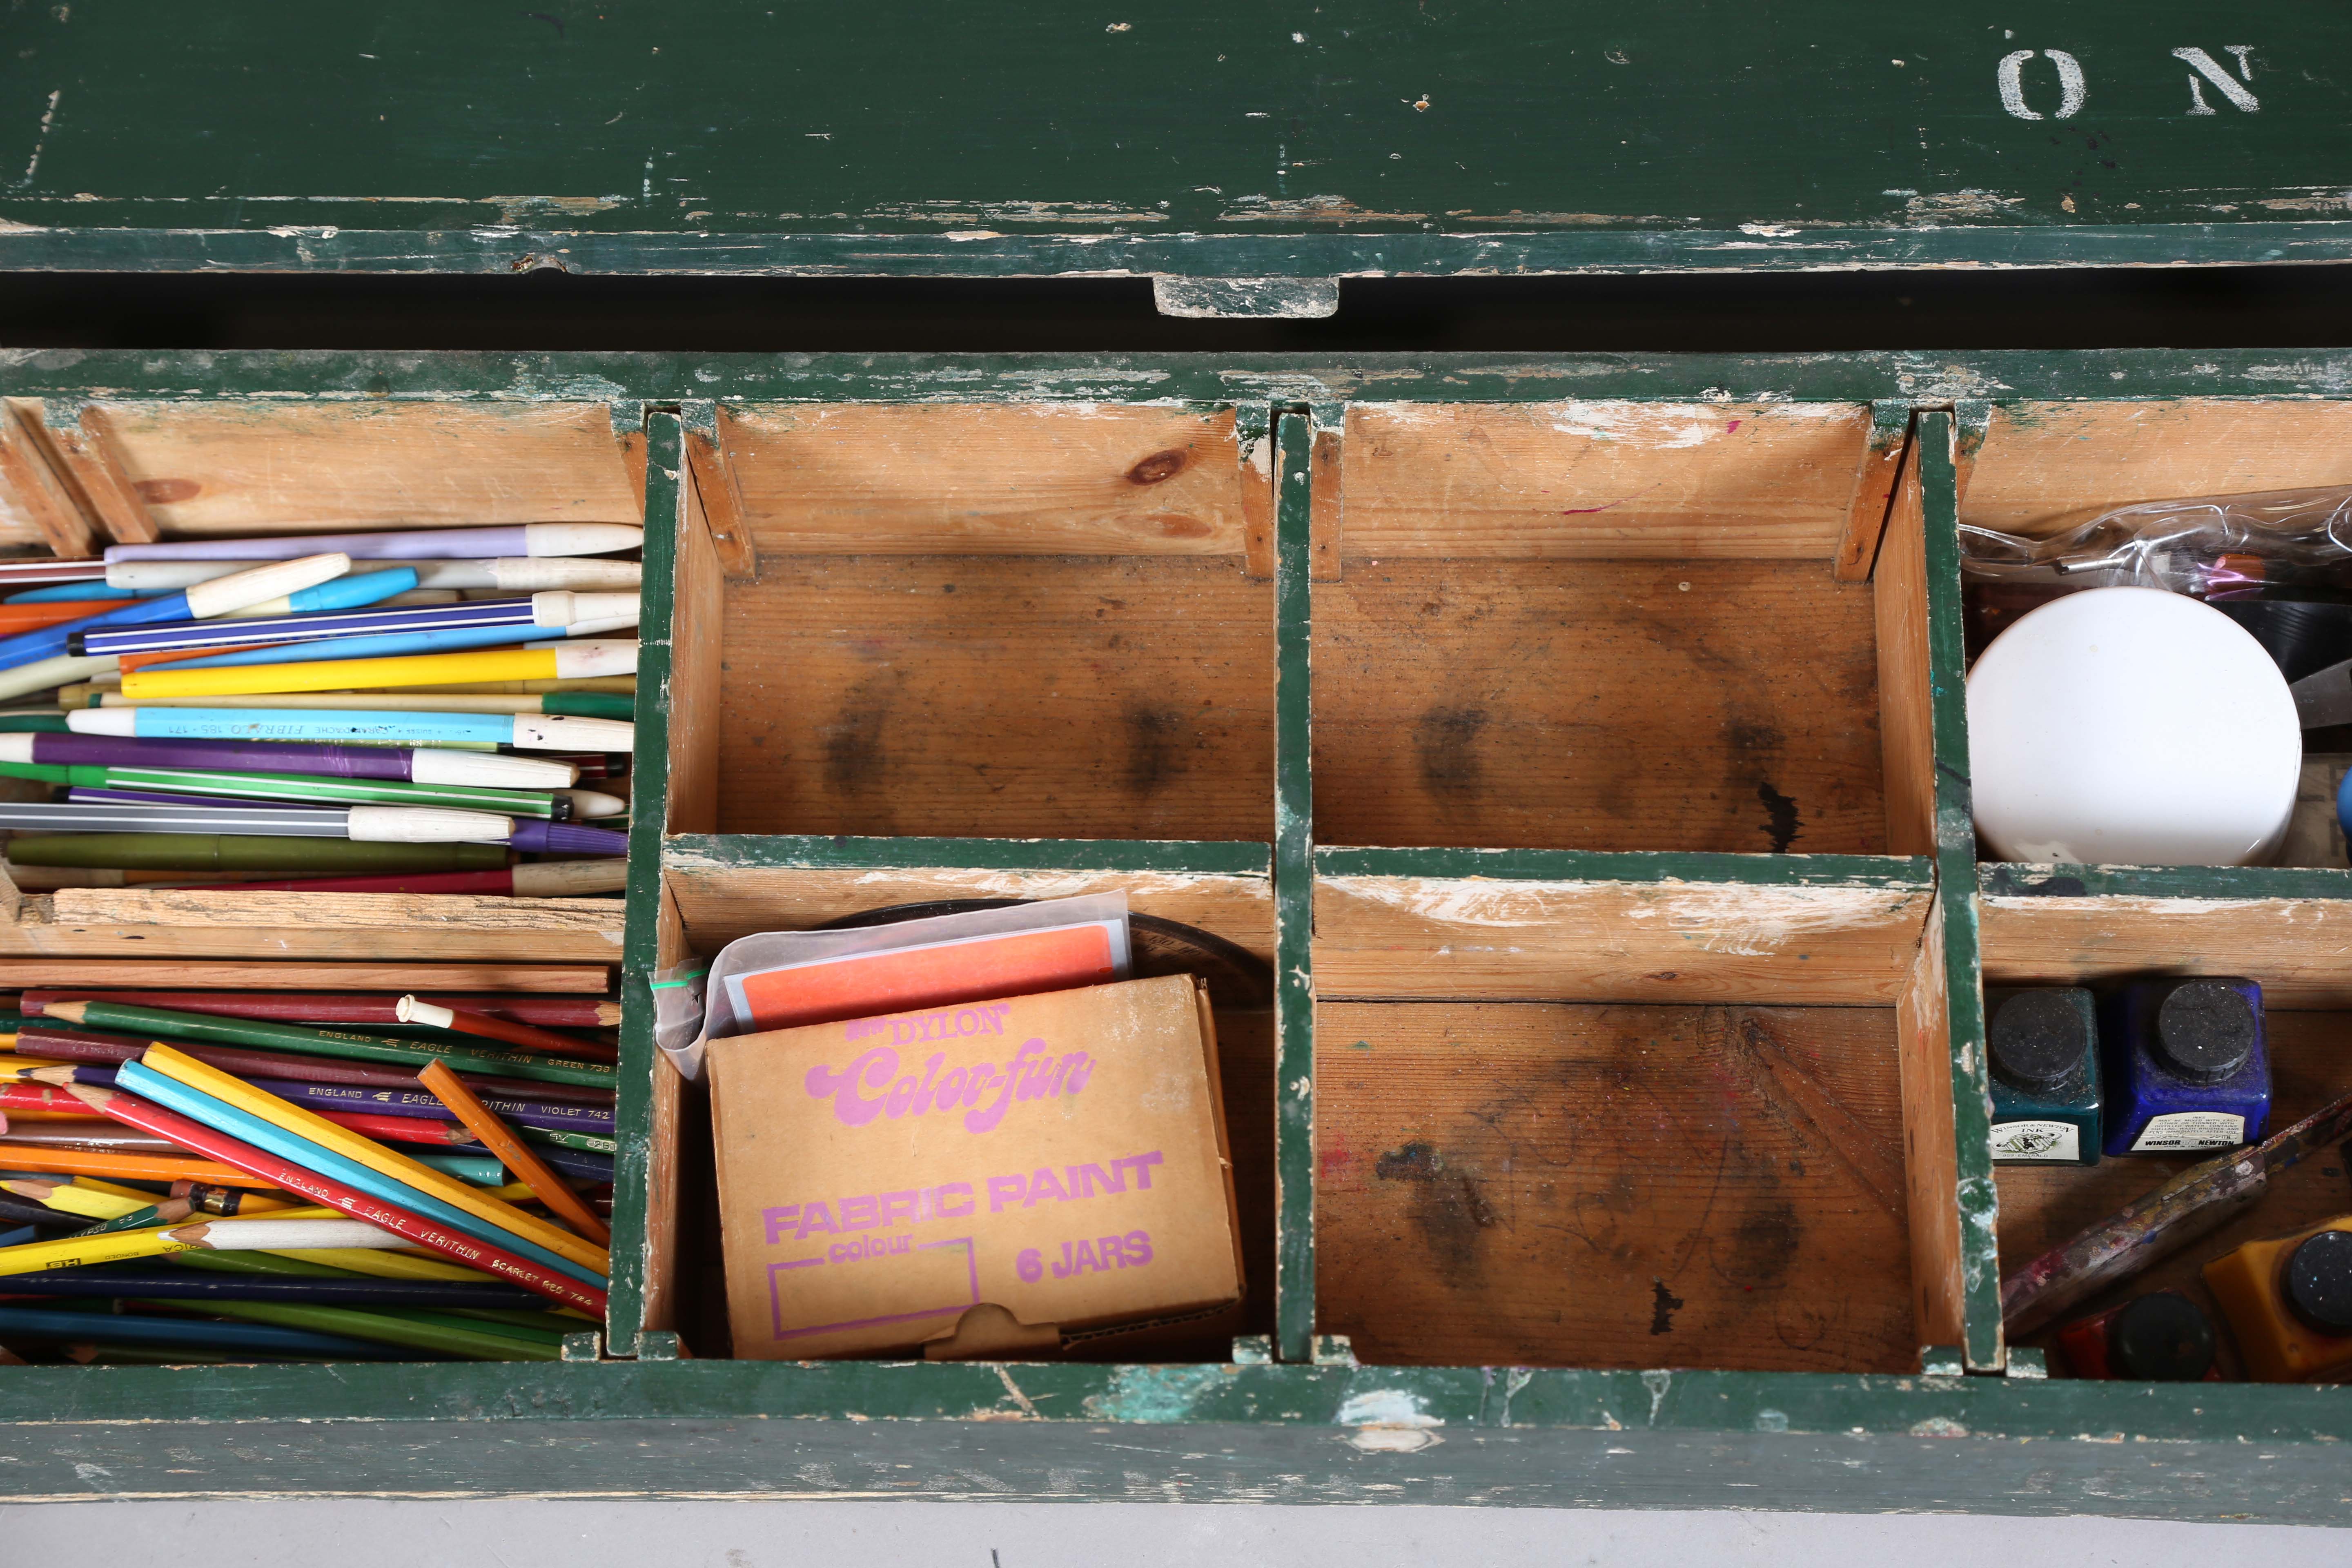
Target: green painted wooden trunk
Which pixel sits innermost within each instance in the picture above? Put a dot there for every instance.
(1582, 743)
(1576, 742)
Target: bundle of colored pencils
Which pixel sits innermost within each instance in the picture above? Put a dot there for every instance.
(219, 1173)
(444, 711)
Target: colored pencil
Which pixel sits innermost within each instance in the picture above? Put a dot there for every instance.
(72, 1201)
(451, 1203)
(167, 1284)
(59, 1043)
(504, 574)
(91, 1137)
(546, 880)
(451, 1337)
(485, 1124)
(585, 658)
(592, 1166)
(21, 1096)
(534, 732)
(261, 1339)
(275, 1235)
(21, 1212)
(204, 852)
(43, 569)
(329, 1260)
(24, 1155)
(529, 1037)
(351, 1007)
(202, 602)
(397, 764)
(161, 1216)
(554, 610)
(74, 1252)
(529, 539)
(271, 1036)
(414, 1105)
(278, 1173)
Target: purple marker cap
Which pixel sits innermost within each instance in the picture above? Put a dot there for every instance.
(567, 838)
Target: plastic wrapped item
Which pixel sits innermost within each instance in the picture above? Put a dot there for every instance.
(2293, 546)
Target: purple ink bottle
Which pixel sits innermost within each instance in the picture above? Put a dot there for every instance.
(2185, 1066)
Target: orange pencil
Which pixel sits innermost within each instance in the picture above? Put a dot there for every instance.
(513, 1153)
(53, 1160)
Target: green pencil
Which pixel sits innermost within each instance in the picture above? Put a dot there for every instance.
(152, 1021)
(289, 787)
(418, 1330)
(202, 852)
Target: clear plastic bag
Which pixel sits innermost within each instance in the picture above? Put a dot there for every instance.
(2272, 545)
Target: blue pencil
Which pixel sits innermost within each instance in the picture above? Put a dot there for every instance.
(137, 1077)
(184, 1284)
(217, 597)
(187, 1333)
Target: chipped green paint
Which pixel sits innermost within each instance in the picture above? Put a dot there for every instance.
(2005, 880)
(1979, 1203)
(640, 956)
(1293, 875)
(1208, 141)
(1159, 1393)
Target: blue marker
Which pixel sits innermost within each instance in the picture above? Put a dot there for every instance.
(356, 726)
(67, 591)
(394, 644)
(220, 596)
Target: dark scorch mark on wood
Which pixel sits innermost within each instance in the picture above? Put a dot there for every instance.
(1447, 1208)
(1446, 740)
(1151, 747)
(853, 743)
(1664, 1305)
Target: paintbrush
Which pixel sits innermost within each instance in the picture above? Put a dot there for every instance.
(2148, 1229)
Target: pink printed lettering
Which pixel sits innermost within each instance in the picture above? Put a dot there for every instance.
(875, 1069)
(986, 1120)
(1139, 1248)
(894, 1204)
(1081, 1067)
(857, 1214)
(813, 1218)
(1005, 1190)
(923, 1095)
(962, 1189)
(1043, 1185)
(781, 1220)
(1085, 1180)
(1111, 1249)
(1142, 1164)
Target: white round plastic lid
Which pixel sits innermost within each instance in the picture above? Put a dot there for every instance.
(2130, 726)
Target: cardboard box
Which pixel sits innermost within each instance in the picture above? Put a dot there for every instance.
(986, 1179)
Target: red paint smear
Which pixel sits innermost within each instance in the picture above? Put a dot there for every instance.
(1730, 428)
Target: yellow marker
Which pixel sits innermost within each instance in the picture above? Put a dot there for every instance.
(67, 1198)
(74, 1252)
(585, 658)
(307, 1125)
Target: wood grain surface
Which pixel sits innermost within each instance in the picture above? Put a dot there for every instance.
(999, 697)
(1531, 1184)
(1718, 705)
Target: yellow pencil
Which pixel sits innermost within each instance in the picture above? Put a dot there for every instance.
(584, 658)
(67, 1198)
(74, 1252)
(307, 1125)
(16, 1069)
(95, 1185)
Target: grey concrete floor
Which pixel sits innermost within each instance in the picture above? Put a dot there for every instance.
(572, 1534)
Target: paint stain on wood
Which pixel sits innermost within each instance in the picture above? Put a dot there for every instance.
(1154, 755)
(1664, 1305)
(1446, 740)
(1781, 824)
(1448, 1209)
(854, 745)
(162, 493)
(1160, 467)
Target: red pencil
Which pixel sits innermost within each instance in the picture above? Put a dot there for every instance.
(40, 1097)
(75, 1045)
(415, 1010)
(344, 1007)
(293, 1178)
(405, 1128)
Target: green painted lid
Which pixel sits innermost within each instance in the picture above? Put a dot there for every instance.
(1246, 155)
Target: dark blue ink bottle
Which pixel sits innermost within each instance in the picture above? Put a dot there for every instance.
(2043, 1045)
(2187, 1067)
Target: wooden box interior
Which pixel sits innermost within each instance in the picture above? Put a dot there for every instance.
(2295, 948)
(991, 621)
(77, 476)
(1607, 626)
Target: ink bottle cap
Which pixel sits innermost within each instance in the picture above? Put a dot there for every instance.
(2317, 1281)
(2162, 1338)
(2037, 1039)
(2204, 1031)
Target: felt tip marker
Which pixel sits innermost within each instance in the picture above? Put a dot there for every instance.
(507, 575)
(409, 765)
(330, 634)
(361, 824)
(491, 632)
(529, 538)
(348, 592)
(523, 732)
(578, 661)
(202, 602)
